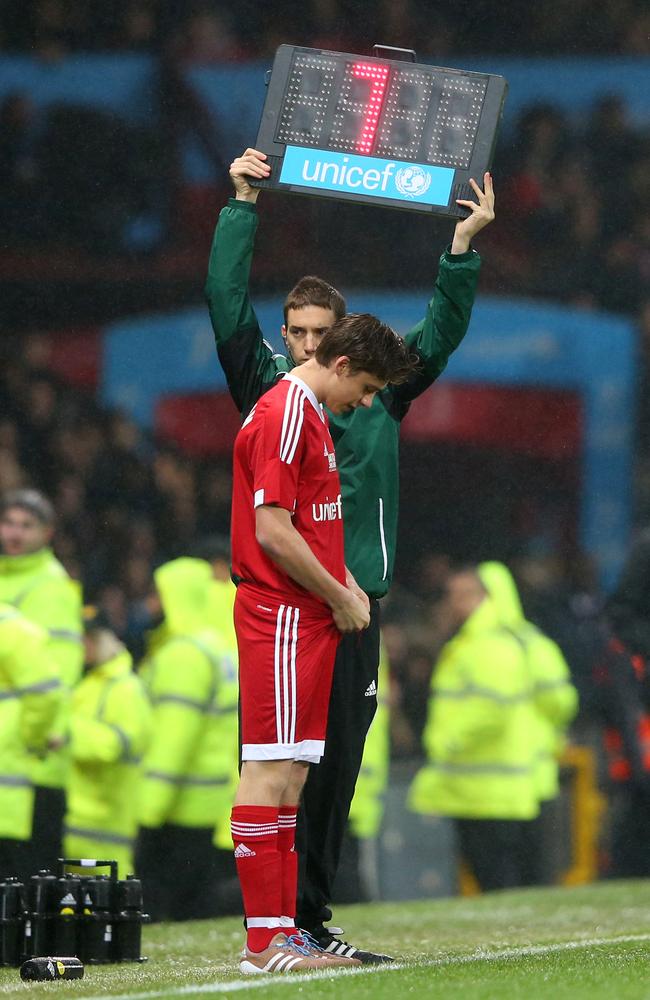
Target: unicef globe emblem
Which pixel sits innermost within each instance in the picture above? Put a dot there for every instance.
(412, 181)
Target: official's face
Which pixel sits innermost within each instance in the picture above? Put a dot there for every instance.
(305, 329)
(22, 533)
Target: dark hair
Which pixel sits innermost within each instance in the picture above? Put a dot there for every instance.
(30, 500)
(371, 347)
(313, 291)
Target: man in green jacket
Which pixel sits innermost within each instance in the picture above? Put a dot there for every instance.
(30, 696)
(480, 737)
(109, 732)
(34, 581)
(191, 679)
(366, 443)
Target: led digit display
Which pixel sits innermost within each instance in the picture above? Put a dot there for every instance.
(456, 121)
(421, 130)
(405, 115)
(308, 92)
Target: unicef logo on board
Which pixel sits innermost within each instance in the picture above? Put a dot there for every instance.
(412, 181)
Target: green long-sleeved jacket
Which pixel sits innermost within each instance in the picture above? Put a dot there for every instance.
(39, 587)
(30, 696)
(479, 735)
(555, 699)
(110, 729)
(191, 680)
(367, 440)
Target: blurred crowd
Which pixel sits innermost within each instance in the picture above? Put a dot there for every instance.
(208, 31)
(125, 503)
(573, 221)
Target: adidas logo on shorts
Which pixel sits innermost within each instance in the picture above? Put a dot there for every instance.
(242, 851)
(371, 690)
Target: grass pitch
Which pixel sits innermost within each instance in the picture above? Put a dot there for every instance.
(591, 943)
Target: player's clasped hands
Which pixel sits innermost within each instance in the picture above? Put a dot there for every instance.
(351, 614)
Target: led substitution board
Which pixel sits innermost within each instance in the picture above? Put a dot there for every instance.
(379, 131)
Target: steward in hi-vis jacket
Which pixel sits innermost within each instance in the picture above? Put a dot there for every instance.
(33, 580)
(555, 703)
(110, 730)
(480, 737)
(191, 680)
(30, 696)
(367, 455)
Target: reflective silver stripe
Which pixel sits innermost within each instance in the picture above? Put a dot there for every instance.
(215, 662)
(14, 781)
(64, 633)
(215, 710)
(179, 699)
(383, 537)
(127, 756)
(474, 691)
(50, 685)
(109, 838)
(549, 685)
(7, 616)
(481, 768)
(182, 779)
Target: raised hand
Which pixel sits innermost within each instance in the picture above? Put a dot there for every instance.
(482, 214)
(252, 163)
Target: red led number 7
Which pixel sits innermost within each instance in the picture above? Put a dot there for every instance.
(378, 76)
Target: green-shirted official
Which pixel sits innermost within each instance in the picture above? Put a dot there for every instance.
(34, 582)
(480, 736)
(110, 730)
(191, 679)
(30, 696)
(555, 703)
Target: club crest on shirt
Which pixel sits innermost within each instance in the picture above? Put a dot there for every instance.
(330, 456)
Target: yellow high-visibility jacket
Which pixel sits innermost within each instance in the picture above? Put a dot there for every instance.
(478, 732)
(30, 696)
(110, 731)
(221, 602)
(555, 699)
(191, 680)
(38, 586)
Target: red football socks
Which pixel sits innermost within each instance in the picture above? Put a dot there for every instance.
(289, 862)
(255, 836)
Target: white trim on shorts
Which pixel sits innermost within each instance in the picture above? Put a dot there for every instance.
(285, 680)
(308, 751)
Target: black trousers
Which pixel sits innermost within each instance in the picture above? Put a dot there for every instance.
(47, 828)
(14, 859)
(493, 850)
(184, 877)
(629, 851)
(322, 820)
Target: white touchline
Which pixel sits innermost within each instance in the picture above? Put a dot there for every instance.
(237, 985)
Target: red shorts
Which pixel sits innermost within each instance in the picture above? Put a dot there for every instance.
(286, 659)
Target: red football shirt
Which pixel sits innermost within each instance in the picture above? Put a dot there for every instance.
(284, 457)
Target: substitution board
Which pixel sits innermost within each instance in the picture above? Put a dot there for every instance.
(379, 131)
